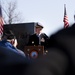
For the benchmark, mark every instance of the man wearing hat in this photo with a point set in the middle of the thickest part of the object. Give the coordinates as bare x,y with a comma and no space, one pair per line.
35,39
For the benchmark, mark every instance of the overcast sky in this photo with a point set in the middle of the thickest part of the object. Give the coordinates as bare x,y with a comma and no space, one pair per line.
49,13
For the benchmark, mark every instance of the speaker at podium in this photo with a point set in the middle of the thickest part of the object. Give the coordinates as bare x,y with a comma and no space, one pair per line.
34,51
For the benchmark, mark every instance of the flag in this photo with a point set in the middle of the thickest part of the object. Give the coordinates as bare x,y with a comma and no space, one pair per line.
65,20
1,23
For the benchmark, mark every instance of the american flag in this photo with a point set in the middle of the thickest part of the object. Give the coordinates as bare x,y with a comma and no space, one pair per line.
1,23
65,20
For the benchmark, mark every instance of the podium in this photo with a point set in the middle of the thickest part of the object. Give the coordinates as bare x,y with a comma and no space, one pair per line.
34,51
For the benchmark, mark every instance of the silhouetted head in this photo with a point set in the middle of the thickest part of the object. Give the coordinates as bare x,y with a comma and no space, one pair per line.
8,34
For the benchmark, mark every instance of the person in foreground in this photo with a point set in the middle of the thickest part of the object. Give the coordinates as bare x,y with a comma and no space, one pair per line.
60,59
9,41
12,61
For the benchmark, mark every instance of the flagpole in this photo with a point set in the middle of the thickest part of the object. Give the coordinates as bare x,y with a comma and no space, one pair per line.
64,9
74,16
0,2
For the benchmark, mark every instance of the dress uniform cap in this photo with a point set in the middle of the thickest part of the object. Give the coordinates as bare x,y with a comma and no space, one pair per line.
38,25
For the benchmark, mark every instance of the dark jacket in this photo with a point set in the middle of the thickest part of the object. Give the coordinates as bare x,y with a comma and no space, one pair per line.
33,40
46,38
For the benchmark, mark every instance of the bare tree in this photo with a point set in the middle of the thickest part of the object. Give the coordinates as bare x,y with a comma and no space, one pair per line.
12,15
